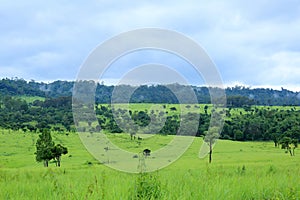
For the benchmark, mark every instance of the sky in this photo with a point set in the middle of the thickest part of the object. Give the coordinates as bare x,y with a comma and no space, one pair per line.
252,43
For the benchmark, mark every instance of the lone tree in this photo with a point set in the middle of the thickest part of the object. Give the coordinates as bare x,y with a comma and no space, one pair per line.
289,144
44,146
211,137
46,149
57,151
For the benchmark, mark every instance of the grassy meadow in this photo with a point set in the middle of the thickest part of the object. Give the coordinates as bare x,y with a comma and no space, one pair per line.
240,170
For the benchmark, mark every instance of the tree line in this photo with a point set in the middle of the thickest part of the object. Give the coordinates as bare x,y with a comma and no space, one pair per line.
278,124
243,124
250,123
238,96
55,114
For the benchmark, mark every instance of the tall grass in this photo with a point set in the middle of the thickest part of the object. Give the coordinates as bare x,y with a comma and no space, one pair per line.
240,170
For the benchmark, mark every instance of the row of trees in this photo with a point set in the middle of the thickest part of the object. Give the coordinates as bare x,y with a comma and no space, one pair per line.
262,124
142,118
255,124
278,124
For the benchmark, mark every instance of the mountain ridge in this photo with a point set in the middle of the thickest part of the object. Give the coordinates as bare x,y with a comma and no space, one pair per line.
151,93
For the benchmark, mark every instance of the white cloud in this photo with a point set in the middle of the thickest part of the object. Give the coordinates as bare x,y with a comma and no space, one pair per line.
281,68
243,38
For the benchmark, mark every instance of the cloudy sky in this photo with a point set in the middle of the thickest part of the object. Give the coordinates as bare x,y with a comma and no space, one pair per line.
255,43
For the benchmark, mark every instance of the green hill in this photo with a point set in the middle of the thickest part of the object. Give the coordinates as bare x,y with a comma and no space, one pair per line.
237,96
240,170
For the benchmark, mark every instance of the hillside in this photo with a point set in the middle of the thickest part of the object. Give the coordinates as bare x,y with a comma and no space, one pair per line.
237,96
240,170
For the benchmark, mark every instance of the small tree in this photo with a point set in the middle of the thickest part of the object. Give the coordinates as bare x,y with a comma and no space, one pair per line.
286,144
275,137
205,109
211,137
294,145
46,150
57,151
44,146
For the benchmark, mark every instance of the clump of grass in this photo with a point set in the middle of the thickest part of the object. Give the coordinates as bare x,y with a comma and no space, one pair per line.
92,188
271,170
241,170
89,163
147,186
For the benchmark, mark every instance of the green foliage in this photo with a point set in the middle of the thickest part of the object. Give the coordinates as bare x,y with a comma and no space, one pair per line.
16,114
57,151
141,118
289,144
46,149
237,96
239,102
16,86
238,135
255,123
262,123
211,137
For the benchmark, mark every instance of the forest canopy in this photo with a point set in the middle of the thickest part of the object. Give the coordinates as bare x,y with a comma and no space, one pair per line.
237,96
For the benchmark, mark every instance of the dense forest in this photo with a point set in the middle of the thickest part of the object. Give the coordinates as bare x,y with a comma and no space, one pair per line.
236,96
17,114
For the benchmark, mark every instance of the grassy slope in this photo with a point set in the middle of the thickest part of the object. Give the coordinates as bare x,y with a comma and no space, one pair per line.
30,99
240,170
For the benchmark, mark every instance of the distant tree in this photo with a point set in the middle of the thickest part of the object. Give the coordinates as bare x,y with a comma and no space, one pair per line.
294,145
275,137
286,144
239,101
44,146
205,109
57,151
173,108
141,118
211,137
42,125
238,135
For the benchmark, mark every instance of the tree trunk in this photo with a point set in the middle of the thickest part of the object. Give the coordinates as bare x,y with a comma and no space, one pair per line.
210,153
58,161
45,163
293,151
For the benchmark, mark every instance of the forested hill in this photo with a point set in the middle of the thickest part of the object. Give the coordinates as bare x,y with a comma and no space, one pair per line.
237,96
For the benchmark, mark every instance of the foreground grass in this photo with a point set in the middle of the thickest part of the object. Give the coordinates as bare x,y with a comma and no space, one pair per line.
240,170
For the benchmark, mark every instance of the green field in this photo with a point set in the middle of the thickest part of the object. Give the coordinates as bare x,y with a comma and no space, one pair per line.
240,170
30,99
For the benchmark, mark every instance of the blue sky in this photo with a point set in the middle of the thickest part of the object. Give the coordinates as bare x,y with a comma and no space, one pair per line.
254,43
